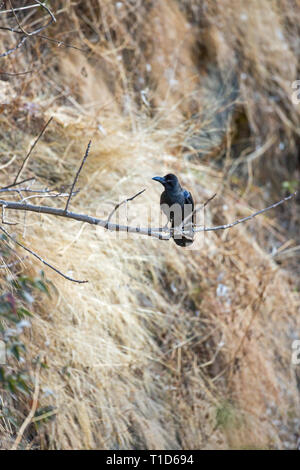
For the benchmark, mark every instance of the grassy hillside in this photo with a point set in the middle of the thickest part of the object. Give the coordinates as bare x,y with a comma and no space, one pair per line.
163,348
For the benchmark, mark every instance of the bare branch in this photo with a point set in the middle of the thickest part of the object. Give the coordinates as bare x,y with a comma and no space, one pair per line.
209,200
19,9
22,31
3,217
195,211
16,184
123,202
10,74
29,153
27,190
40,258
42,36
77,175
17,19
12,264
244,219
150,232
45,195
53,19
38,30
34,406
10,51
61,43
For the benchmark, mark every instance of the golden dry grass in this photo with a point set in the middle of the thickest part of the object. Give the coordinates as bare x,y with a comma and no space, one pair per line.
164,348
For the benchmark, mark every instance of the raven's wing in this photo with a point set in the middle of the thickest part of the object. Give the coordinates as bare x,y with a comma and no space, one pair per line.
187,209
188,200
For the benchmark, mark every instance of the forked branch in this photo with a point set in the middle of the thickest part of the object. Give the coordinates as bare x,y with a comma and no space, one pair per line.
158,233
25,34
40,258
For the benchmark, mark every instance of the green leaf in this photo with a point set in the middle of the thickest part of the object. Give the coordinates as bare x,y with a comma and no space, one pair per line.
2,374
42,286
23,312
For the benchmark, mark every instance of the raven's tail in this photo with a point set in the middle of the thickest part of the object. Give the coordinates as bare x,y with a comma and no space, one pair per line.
184,240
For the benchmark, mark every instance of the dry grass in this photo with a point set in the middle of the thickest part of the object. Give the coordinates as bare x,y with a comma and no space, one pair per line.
163,348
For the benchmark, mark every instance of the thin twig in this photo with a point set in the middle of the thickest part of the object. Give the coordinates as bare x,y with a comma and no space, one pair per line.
17,184
10,74
10,51
123,202
40,258
53,19
61,43
17,20
42,36
38,30
53,196
31,148
40,193
12,264
3,218
209,200
150,232
25,190
196,210
19,9
77,174
244,219
22,31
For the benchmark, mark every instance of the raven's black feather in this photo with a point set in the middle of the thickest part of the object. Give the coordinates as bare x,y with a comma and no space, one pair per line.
178,205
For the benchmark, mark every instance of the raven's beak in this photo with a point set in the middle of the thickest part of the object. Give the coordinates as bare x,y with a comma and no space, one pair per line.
160,179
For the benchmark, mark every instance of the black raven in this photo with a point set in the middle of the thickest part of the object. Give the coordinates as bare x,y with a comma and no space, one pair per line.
178,205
